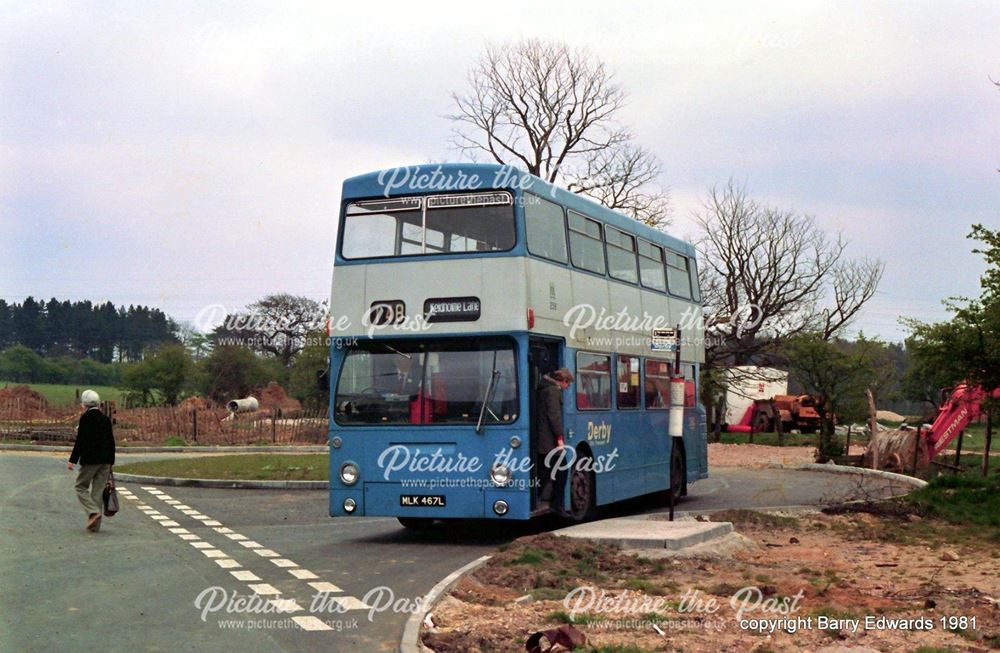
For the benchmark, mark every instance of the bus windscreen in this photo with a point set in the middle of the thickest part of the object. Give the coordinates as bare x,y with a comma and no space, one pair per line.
385,383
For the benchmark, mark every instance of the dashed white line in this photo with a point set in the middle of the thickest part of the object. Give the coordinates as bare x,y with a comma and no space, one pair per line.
302,574
227,563
214,553
169,522
236,537
283,562
325,587
263,588
266,553
250,544
243,574
201,544
178,531
311,623
285,605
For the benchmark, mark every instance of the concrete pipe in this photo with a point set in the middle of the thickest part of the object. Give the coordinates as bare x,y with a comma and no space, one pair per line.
245,405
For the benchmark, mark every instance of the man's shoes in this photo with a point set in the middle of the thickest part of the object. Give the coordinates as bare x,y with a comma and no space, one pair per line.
94,522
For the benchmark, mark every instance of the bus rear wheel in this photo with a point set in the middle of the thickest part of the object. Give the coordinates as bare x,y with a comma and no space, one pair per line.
582,493
416,523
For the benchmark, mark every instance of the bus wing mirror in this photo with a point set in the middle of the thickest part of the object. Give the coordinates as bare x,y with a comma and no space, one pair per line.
323,381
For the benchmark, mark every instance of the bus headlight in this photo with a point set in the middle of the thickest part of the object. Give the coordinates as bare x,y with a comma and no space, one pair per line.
500,475
349,474
349,505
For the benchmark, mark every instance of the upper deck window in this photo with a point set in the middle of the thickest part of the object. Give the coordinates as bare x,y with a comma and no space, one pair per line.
546,228
437,224
621,255
678,276
651,266
585,243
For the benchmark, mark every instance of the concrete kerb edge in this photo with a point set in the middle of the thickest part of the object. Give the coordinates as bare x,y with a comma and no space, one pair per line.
220,483
410,642
189,450
862,471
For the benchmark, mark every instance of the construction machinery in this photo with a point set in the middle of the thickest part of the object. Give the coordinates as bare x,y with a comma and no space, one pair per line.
914,447
784,412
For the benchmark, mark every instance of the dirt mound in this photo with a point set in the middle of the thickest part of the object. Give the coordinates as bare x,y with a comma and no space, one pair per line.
274,397
889,416
196,403
21,402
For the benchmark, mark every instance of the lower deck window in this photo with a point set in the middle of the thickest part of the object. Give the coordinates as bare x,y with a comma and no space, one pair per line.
593,381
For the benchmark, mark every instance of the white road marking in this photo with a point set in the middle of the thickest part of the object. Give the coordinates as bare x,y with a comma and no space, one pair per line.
302,574
311,623
285,605
147,487
350,603
220,557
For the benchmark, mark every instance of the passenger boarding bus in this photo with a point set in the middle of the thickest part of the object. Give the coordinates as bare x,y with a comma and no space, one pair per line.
456,289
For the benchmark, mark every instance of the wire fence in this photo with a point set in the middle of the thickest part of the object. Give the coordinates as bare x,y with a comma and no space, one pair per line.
26,421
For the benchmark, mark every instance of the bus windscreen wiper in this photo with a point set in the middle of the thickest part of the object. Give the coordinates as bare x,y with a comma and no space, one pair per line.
488,395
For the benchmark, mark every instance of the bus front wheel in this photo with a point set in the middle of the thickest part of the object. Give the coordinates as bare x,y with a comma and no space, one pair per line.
582,493
416,523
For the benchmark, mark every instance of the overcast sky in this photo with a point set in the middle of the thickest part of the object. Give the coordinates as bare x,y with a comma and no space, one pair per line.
183,154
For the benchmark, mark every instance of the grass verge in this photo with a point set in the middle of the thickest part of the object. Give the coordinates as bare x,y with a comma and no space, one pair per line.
253,467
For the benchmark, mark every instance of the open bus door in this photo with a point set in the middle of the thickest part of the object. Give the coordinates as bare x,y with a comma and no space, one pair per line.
543,358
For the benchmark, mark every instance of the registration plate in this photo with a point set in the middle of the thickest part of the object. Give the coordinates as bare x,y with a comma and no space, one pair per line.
421,500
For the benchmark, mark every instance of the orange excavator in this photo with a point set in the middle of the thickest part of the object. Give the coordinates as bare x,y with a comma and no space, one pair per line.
903,448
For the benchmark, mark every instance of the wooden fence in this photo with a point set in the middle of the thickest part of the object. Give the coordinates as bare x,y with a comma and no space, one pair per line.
22,422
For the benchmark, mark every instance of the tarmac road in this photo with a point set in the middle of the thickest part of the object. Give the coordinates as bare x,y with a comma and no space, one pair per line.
134,585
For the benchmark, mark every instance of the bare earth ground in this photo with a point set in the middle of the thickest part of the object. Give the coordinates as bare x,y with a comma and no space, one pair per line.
759,456
838,564
848,566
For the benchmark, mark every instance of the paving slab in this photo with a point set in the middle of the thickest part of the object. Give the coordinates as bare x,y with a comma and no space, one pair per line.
644,533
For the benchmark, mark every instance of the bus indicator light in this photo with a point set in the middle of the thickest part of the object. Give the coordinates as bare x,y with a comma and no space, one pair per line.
531,318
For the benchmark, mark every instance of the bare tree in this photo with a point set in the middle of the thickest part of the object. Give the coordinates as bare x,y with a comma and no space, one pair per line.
769,274
552,110
277,324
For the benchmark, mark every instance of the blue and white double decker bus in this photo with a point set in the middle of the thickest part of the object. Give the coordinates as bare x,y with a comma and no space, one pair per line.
456,289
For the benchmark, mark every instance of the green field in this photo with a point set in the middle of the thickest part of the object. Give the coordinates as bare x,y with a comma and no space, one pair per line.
65,394
256,467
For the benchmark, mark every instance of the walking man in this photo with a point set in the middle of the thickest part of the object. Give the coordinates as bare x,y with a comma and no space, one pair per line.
95,450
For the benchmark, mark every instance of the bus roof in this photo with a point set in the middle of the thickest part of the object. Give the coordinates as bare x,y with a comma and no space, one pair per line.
433,178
